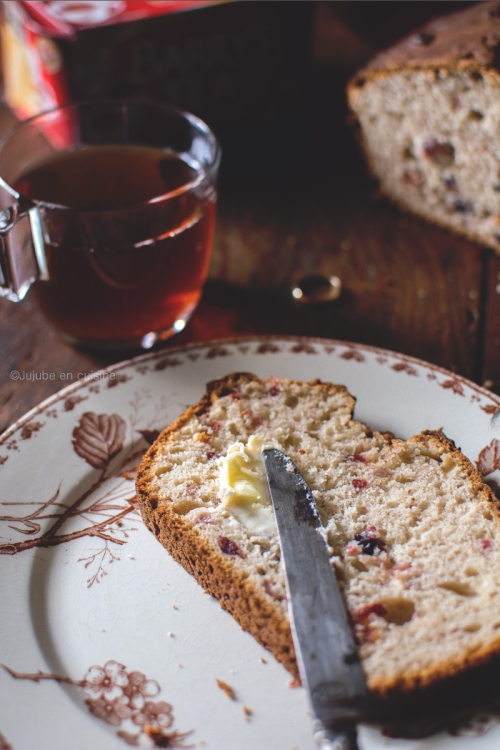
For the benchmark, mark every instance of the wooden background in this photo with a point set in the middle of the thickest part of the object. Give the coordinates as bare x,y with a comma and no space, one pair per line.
295,198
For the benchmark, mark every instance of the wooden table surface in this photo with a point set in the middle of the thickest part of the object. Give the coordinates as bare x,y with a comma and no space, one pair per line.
284,211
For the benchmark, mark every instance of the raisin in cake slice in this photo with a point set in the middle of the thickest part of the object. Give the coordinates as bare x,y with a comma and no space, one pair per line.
428,111
414,535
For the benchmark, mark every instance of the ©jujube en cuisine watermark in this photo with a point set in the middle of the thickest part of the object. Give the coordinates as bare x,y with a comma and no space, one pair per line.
67,377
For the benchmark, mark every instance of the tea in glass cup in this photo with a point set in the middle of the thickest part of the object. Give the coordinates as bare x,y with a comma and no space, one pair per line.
124,195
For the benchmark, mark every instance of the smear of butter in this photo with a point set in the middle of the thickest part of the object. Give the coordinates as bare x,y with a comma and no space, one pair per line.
243,486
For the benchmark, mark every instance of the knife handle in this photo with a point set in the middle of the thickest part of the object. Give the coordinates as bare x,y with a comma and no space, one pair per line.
335,739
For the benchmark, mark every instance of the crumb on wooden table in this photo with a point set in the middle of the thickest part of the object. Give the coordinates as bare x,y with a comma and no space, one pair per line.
227,689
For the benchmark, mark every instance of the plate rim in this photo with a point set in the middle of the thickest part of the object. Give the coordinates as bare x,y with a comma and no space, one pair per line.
406,358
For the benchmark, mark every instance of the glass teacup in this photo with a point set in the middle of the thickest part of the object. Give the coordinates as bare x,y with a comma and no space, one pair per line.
113,219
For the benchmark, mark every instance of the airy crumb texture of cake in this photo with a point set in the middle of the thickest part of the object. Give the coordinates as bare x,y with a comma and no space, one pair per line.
428,111
414,534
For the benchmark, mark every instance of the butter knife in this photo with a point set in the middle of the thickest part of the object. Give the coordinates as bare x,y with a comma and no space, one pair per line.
327,657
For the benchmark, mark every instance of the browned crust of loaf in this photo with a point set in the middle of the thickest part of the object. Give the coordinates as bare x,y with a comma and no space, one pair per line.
216,572
446,669
465,39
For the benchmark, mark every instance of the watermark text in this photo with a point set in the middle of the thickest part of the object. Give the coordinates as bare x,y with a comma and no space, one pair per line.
65,377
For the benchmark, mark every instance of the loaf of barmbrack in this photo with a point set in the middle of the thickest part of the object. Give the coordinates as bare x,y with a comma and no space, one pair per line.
427,112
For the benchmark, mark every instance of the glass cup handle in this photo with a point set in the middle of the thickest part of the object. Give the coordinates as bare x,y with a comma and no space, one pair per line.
22,251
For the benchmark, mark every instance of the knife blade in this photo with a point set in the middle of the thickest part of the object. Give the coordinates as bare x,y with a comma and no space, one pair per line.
327,657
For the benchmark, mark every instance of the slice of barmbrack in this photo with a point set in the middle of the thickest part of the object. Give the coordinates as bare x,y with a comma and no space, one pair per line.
414,534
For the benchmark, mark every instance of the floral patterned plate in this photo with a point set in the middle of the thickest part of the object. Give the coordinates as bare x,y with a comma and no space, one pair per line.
104,640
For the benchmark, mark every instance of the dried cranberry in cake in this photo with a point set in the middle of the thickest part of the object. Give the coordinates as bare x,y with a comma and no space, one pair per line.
229,547
462,207
357,457
257,422
364,613
413,177
214,425
275,388
441,154
359,484
370,541
352,549
450,183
